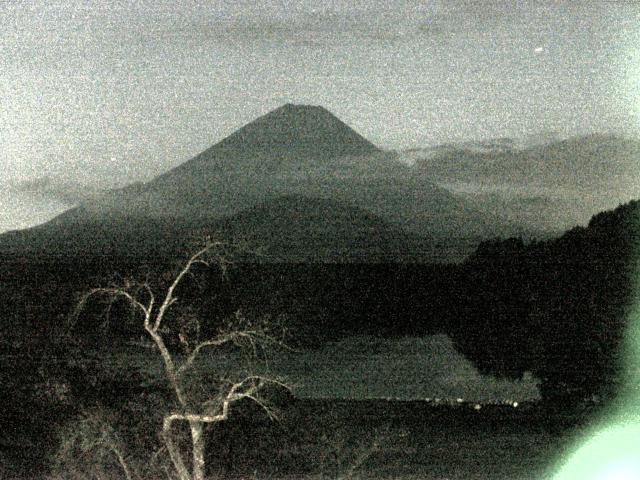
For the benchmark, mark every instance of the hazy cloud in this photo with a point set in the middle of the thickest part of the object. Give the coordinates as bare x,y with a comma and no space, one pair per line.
129,89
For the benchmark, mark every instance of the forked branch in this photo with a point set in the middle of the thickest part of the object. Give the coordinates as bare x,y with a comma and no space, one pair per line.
239,332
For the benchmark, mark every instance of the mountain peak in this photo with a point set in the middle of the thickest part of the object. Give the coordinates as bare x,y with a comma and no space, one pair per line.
292,107
298,129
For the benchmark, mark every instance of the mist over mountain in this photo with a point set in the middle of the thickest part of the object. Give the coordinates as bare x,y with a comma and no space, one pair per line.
551,187
301,152
22,210
66,192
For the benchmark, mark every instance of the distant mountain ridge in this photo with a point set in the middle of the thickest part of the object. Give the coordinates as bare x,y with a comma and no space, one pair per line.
585,163
301,152
554,186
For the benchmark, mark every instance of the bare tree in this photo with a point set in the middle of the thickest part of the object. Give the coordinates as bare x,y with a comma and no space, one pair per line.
196,410
92,435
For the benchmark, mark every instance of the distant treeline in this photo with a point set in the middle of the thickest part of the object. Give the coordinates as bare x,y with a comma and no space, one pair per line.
555,308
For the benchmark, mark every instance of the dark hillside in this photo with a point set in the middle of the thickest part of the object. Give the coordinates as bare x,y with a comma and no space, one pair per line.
311,230
291,228
556,308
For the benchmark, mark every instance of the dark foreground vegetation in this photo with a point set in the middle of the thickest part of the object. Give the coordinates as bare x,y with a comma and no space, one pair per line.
327,439
556,309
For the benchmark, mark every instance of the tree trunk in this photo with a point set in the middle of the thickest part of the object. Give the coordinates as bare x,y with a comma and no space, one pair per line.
123,463
197,439
174,452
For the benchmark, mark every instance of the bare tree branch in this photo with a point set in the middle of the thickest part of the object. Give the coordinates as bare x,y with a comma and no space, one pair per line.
112,293
169,297
244,334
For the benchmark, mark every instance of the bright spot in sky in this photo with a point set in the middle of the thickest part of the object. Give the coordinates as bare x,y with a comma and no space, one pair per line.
539,50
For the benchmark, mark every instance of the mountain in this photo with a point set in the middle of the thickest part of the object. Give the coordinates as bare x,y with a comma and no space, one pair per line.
304,150
549,187
291,150
288,229
292,138
295,151
312,230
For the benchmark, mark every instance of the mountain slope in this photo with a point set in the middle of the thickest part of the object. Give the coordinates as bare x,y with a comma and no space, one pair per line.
293,151
549,187
311,230
287,229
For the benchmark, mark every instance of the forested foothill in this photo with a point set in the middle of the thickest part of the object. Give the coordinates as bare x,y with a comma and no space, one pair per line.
554,308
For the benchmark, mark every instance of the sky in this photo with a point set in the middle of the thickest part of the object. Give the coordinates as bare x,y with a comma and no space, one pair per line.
115,91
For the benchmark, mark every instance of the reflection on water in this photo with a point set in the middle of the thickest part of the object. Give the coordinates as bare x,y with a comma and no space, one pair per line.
363,367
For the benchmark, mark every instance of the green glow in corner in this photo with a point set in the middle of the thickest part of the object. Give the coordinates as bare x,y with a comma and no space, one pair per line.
610,454
611,450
